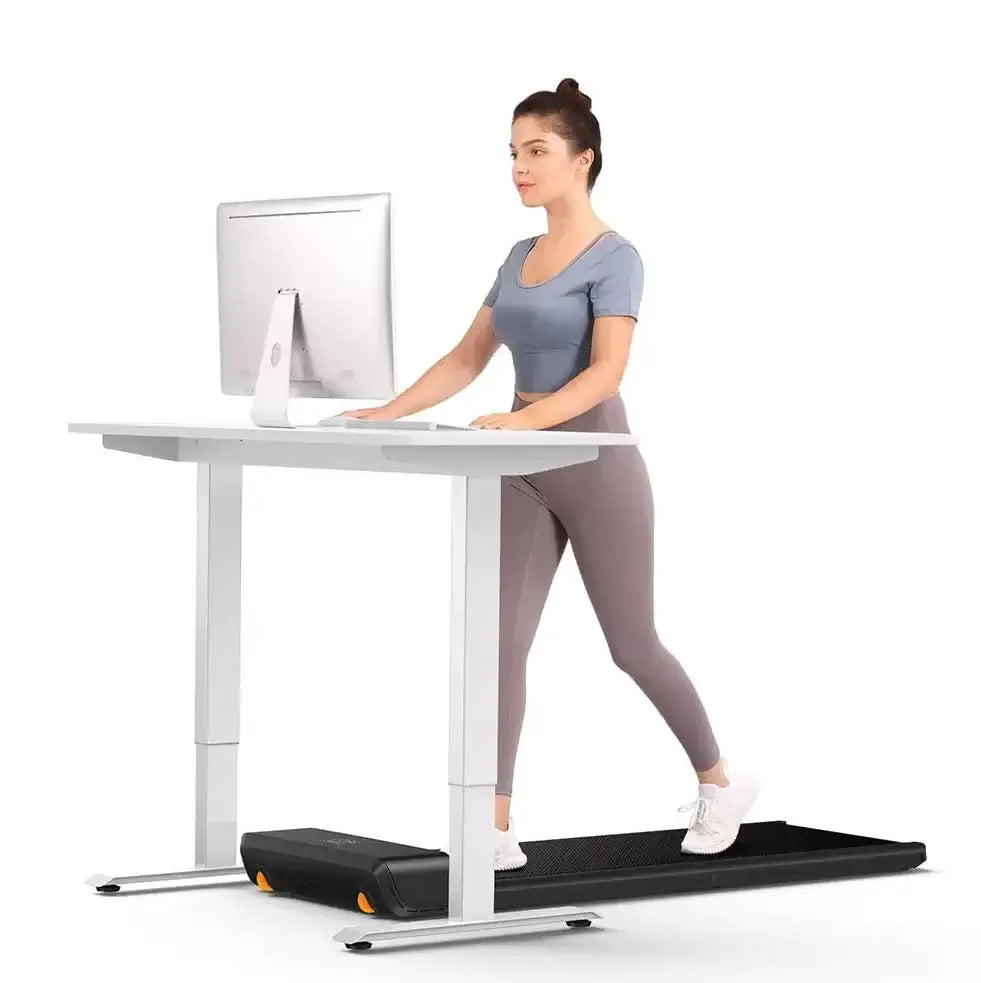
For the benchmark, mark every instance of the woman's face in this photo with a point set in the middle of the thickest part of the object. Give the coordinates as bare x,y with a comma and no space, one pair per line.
541,161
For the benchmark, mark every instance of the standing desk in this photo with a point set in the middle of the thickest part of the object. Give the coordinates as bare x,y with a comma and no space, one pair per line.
476,460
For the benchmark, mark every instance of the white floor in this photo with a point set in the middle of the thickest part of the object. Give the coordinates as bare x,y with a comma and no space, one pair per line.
909,926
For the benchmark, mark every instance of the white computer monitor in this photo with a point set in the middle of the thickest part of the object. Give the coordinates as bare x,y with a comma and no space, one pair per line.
305,299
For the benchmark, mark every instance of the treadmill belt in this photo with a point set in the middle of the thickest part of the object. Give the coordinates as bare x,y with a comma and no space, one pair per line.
397,880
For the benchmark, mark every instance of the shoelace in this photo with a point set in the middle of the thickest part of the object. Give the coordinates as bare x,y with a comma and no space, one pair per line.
702,814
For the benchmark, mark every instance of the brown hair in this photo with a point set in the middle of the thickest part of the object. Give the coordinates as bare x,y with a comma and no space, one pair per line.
570,115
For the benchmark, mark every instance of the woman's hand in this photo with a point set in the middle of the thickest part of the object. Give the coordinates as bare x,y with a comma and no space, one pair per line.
373,413
518,420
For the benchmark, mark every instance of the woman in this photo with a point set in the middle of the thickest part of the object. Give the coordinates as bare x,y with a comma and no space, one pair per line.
565,304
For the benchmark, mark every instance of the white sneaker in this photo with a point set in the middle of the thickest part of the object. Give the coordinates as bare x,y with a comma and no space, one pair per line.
718,812
507,851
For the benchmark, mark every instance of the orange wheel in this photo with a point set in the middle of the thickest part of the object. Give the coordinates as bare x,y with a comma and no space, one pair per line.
364,904
262,883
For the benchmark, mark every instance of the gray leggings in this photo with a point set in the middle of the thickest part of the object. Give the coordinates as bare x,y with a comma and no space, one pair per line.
604,508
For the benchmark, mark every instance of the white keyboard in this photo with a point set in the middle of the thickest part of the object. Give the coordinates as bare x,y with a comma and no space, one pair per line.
353,423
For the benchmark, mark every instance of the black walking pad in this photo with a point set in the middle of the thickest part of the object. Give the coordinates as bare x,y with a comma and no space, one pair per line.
393,879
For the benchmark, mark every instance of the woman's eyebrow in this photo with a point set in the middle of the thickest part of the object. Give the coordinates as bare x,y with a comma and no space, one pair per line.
527,142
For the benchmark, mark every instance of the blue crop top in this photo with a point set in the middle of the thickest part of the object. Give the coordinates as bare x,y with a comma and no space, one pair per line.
548,326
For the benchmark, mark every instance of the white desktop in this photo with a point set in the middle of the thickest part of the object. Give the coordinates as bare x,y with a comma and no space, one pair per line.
305,309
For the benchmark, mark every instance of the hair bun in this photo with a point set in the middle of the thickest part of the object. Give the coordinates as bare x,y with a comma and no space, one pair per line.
570,88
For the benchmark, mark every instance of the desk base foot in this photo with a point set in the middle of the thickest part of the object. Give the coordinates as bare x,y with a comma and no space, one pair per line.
362,937
110,885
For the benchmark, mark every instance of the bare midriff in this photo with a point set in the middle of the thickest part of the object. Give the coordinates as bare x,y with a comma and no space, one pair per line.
531,397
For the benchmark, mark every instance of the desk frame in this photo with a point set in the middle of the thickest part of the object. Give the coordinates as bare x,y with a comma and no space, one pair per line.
476,465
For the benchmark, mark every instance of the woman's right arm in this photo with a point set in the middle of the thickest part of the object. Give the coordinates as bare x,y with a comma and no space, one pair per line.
453,372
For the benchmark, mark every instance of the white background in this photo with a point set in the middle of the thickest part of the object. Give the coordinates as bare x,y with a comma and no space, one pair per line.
801,180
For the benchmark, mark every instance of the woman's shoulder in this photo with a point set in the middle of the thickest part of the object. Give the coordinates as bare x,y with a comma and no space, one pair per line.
619,241
517,248
522,244
621,254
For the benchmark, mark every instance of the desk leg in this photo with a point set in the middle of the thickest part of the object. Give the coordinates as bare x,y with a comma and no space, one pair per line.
474,615
474,605
216,683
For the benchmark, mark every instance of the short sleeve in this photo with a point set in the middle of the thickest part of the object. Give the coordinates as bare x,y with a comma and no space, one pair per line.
491,299
620,284
492,295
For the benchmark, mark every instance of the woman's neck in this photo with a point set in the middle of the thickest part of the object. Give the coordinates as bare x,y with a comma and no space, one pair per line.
569,222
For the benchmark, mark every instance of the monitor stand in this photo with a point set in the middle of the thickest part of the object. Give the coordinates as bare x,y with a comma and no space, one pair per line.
270,401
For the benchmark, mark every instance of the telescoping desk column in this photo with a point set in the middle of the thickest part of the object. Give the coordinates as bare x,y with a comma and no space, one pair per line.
476,460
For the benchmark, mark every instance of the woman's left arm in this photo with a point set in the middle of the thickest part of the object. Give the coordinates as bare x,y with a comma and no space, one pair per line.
612,335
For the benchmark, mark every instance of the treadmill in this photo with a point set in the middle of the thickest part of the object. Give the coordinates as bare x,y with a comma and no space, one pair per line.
396,880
